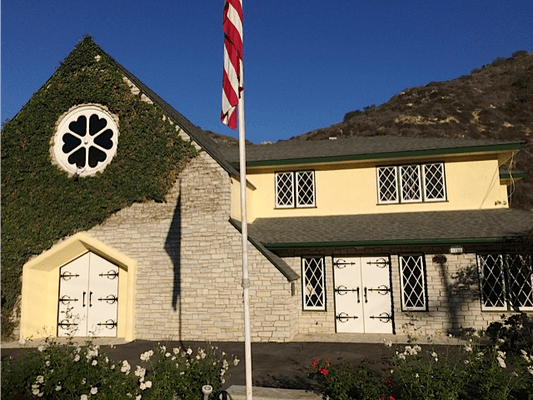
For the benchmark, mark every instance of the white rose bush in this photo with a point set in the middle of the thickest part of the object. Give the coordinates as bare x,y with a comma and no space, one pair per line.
66,371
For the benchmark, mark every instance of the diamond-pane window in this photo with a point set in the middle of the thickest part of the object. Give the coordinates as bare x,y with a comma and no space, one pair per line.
413,283
305,188
313,284
434,187
506,282
387,185
284,189
410,183
298,185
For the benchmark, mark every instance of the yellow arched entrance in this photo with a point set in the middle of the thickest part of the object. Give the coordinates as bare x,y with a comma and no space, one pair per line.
40,287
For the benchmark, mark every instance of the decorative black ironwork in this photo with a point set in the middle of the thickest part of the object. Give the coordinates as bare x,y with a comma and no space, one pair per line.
381,263
382,289
342,290
109,324
66,324
65,299
111,274
384,317
342,264
343,317
109,299
68,275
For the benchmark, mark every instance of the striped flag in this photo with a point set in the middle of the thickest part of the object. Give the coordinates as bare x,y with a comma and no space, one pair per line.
231,81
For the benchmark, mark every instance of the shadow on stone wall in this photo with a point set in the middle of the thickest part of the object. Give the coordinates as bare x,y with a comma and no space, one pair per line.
173,249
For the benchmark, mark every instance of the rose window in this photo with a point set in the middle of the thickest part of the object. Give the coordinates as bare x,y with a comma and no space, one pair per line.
85,140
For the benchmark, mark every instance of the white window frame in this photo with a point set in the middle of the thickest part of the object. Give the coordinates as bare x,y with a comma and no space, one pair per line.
294,188
442,182
505,279
400,184
308,289
422,282
405,184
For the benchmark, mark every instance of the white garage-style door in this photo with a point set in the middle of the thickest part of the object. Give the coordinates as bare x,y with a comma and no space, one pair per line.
88,297
363,294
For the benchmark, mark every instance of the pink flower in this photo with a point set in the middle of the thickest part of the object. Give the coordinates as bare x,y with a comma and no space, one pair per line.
323,371
314,363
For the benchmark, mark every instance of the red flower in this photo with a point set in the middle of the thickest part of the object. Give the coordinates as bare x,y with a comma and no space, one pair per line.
323,371
314,363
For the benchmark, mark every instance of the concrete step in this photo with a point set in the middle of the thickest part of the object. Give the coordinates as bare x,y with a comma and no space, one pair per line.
261,393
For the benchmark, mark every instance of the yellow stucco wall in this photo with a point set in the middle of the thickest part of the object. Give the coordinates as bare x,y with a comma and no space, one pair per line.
40,287
351,188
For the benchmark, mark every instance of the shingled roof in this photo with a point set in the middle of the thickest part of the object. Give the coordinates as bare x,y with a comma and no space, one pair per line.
416,228
361,148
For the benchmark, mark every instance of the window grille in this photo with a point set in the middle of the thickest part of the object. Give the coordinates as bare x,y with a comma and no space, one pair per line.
313,284
298,185
411,183
434,186
413,283
387,184
305,188
284,189
506,282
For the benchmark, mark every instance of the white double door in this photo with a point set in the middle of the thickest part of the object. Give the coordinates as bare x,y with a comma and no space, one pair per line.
88,297
362,294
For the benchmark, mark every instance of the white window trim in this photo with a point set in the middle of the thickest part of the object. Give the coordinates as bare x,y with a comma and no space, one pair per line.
417,200
294,188
424,307
443,183
504,277
297,187
379,183
422,184
322,282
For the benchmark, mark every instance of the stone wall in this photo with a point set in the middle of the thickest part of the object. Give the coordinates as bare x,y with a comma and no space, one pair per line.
453,296
189,269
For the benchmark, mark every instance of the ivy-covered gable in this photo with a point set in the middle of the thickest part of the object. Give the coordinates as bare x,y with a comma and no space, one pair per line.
41,202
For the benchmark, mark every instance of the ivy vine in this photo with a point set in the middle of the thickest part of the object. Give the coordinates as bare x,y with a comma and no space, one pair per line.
40,203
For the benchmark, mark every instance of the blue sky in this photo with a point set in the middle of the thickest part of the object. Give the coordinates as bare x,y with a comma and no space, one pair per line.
306,62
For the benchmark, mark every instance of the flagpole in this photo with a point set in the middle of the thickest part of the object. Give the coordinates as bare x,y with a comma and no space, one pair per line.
244,222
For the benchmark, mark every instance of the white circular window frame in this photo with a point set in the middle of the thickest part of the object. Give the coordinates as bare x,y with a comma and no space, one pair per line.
60,159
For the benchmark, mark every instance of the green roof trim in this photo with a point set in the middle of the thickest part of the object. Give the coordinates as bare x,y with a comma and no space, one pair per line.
513,175
374,243
386,155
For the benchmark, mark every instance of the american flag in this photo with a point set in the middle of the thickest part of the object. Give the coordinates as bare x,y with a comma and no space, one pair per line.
231,81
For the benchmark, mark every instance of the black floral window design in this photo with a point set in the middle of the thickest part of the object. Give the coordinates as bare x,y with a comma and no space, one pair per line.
86,140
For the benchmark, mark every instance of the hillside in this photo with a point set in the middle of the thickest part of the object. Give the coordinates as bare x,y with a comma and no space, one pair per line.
494,101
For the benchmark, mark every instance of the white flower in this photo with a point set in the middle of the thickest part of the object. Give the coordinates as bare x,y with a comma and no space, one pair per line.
189,351
83,381
84,397
94,362
416,375
501,354
126,367
236,361
401,356
58,388
140,372
167,354
77,358
138,397
39,379
35,392
467,362
176,350
47,363
35,386
501,362
146,355
435,356
94,390
41,348
468,348
146,385
530,370
163,349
